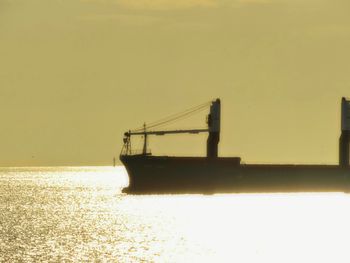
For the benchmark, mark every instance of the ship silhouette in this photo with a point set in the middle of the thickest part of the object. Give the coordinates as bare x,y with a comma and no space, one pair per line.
149,174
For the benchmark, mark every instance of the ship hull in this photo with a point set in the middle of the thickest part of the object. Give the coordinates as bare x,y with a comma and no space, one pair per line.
175,175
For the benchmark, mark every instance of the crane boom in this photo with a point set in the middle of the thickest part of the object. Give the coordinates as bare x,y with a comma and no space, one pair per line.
193,131
213,128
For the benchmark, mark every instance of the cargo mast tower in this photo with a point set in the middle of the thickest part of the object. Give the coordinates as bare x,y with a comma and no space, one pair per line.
345,133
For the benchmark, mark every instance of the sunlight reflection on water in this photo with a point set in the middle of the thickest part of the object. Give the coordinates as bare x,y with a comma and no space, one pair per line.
79,214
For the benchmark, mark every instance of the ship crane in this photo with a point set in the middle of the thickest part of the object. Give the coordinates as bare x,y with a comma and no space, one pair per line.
213,122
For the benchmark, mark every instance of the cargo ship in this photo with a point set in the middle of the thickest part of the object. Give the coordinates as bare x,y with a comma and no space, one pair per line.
149,174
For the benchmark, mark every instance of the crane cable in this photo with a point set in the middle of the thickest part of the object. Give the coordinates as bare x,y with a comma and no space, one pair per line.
176,117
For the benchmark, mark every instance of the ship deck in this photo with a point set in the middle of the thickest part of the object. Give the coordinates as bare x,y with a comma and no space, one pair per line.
166,174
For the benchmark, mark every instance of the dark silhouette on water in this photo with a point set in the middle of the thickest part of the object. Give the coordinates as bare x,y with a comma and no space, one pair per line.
212,174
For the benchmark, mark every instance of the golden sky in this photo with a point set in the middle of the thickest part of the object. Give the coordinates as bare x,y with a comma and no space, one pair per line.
74,75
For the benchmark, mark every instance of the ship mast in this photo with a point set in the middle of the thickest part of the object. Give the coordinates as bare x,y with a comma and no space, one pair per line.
144,151
344,139
214,129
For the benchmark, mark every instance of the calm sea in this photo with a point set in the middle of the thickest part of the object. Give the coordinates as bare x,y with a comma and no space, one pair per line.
80,215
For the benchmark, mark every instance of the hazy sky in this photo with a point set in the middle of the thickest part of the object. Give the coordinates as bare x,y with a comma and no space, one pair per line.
74,75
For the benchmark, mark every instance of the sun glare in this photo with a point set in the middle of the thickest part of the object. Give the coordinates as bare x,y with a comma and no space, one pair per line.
304,227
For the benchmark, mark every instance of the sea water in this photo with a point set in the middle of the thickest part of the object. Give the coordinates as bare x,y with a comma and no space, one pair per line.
79,214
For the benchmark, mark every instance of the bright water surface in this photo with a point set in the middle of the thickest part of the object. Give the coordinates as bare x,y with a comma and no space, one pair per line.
80,215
